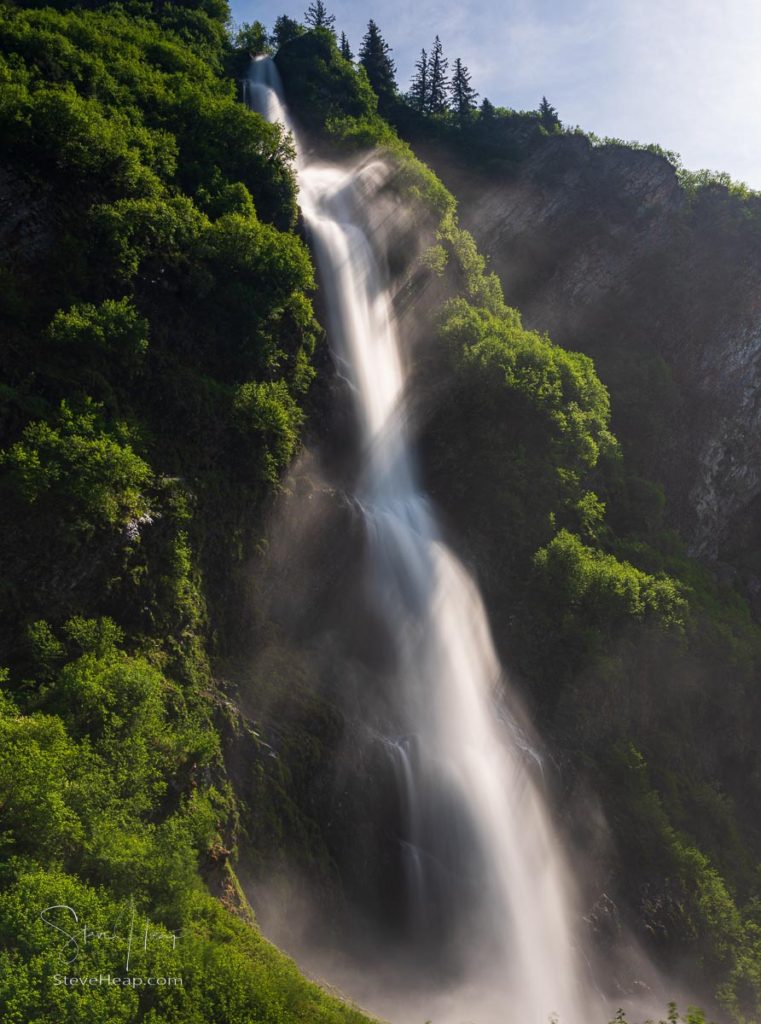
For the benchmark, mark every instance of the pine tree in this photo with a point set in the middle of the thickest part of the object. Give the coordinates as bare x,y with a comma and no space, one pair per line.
487,111
284,31
419,86
345,49
548,116
375,58
316,16
437,79
462,93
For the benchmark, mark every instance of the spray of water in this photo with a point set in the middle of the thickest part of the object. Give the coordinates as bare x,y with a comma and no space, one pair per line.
479,847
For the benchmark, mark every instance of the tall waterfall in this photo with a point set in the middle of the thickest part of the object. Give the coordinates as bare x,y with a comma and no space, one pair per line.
479,842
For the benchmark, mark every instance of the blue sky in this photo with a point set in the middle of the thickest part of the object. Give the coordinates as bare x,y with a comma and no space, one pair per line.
683,73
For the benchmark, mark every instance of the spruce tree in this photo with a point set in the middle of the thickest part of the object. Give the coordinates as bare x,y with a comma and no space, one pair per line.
548,116
316,16
437,79
462,93
487,111
419,87
285,29
375,58
345,49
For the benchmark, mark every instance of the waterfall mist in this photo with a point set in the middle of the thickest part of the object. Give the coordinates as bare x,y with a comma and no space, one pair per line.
489,918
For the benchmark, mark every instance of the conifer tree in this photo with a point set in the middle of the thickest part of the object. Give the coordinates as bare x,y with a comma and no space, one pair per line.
285,29
345,49
548,116
316,16
487,111
461,92
419,87
437,79
375,58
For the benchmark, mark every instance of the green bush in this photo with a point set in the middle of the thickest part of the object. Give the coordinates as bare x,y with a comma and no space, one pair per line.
108,337
582,587
77,472
266,412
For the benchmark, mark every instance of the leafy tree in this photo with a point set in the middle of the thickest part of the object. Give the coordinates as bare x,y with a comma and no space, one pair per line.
375,58
268,412
419,88
589,586
111,335
437,79
344,48
285,30
316,16
34,753
548,116
463,95
74,467
251,37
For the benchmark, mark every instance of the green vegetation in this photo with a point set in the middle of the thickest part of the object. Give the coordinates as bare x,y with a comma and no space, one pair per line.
316,16
157,340
639,665
693,1015
538,417
375,58
338,108
441,109
691,181
620,638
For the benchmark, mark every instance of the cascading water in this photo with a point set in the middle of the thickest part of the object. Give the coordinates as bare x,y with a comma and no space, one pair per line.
479,843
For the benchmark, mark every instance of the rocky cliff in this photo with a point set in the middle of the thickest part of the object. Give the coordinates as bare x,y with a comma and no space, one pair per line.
606,250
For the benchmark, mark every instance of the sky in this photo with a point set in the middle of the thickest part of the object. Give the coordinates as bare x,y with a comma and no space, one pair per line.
683,73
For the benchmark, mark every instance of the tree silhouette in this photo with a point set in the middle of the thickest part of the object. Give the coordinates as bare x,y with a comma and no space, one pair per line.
462,93
375,58
285,29
316,16
548,116
420,83
437,79
487,110
345,49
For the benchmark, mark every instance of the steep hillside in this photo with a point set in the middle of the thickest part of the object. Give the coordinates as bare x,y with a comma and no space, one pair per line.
157,334
654,274
657,275
187,645
623,642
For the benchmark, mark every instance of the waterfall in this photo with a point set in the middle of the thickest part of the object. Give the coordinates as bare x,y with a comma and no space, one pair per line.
479,845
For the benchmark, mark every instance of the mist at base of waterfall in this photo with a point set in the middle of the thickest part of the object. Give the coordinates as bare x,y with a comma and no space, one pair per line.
401,984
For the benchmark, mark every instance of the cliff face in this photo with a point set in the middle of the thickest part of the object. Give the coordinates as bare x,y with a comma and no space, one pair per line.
603,249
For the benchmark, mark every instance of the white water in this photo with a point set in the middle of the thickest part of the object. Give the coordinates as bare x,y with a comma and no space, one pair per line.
479,845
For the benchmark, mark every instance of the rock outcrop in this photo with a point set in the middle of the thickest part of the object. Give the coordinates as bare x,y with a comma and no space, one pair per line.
605,250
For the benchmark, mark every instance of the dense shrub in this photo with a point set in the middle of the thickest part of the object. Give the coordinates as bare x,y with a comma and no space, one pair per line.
157,347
